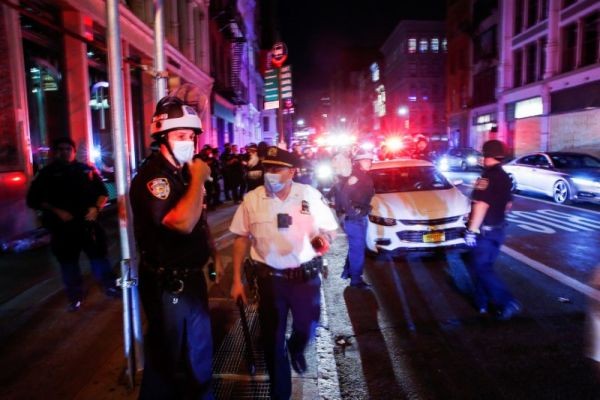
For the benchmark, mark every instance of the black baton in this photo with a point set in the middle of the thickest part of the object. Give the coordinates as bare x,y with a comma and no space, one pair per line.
247,337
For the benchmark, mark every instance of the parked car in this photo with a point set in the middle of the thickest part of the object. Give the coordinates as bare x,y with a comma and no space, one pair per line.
563,176
460,158
414,208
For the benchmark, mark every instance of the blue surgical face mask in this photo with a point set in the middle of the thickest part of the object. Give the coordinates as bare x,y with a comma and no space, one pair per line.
183,150
273,182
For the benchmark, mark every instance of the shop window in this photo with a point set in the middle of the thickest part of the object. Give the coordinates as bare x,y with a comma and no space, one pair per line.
423,46
569,47
518,68
412,45
591,26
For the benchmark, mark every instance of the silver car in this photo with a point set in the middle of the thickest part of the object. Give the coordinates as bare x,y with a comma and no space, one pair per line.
561,175
460,158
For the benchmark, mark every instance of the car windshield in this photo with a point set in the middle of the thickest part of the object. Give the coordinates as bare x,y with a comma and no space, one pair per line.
408,179
574,161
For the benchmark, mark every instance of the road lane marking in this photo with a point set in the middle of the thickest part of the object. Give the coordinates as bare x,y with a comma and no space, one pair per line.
554,274
556,204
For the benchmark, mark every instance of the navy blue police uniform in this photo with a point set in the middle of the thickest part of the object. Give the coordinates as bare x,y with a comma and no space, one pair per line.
354,199
173,290
73,187
494,189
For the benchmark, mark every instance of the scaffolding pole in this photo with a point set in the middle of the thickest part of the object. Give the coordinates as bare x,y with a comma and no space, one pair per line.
159,50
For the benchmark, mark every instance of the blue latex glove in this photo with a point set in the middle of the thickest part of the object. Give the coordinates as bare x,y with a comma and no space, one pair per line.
470,238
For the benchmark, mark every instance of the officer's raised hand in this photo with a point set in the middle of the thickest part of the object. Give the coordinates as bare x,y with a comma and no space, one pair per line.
199,171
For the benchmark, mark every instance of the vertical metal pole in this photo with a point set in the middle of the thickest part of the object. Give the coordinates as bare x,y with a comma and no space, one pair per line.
159,50
281,135
117,112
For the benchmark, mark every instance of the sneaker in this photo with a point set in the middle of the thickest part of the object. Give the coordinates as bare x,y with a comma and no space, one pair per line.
74,306
513,308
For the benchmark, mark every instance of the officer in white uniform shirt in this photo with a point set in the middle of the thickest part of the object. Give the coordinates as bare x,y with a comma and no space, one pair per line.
287,226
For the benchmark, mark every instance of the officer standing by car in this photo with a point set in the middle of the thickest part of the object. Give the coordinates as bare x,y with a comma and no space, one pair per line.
355,203
287,226
485,233
70,196
167,199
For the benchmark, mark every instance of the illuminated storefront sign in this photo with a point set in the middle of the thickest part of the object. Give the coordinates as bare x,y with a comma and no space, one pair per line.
529,108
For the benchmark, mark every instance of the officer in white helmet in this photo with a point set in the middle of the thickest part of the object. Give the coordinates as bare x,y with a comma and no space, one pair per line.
167,199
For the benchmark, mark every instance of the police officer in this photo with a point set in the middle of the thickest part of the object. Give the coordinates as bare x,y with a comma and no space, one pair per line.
70,195
254,168
287,227
167,199
354,202
485,234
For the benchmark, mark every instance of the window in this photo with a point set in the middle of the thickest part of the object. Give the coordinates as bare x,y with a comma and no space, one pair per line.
541,58
567,3
266,124
532,12
435,45
569,47
412,45
530,70
423,45
444,45
412,69
519,4
591,25
518,68
543,10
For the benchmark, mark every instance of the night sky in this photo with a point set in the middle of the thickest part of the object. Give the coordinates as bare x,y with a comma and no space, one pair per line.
317,31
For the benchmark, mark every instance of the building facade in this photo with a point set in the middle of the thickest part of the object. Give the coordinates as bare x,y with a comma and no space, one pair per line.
414,78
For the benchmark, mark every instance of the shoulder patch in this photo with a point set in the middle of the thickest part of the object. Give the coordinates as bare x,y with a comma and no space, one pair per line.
159,188
481,184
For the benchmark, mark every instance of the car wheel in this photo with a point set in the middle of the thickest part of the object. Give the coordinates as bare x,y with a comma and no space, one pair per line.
463,166
561,192
513,184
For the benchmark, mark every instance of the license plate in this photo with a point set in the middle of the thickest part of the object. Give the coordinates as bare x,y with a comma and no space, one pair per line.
434,237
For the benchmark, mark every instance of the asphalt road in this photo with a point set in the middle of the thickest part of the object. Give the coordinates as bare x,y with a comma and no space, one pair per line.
417,335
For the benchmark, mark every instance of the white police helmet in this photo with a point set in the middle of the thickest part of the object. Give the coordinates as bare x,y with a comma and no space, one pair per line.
172,113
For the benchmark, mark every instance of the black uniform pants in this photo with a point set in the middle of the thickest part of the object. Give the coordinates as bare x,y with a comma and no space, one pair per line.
279,296
178,344
67,241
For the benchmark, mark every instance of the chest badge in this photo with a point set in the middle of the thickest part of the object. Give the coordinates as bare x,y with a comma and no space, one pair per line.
159,188
305,207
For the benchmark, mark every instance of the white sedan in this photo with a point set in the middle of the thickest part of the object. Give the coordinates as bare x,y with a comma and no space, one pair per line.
414,208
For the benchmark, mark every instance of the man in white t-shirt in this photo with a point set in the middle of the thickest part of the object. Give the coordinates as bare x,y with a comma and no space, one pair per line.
287,226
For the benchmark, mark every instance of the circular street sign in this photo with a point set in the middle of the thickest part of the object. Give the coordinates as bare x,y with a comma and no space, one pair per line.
278,54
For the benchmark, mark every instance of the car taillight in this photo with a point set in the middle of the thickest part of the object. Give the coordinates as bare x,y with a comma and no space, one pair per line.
382,221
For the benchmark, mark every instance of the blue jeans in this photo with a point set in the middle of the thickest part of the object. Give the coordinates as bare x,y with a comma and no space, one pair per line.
278,296
489,288
356,230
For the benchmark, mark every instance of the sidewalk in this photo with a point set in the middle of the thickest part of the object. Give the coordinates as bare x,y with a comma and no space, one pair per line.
102,378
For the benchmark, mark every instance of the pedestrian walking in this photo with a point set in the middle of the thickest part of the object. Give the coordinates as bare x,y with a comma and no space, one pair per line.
175,243
71,196
354,202
485,233
287,227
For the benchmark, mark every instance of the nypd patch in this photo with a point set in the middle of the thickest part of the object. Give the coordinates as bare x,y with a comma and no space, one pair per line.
159,188
481,184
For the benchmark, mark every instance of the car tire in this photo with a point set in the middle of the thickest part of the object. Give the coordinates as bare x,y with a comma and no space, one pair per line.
561,193
513,184
463,166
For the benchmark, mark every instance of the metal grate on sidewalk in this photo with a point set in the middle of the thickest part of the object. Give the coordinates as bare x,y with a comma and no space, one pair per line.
231,377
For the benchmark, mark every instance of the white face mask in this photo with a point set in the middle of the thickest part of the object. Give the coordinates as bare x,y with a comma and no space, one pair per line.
183,150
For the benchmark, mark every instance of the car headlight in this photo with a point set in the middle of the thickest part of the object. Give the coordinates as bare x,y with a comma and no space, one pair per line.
471,160
382,221
324,172
586,182
443,164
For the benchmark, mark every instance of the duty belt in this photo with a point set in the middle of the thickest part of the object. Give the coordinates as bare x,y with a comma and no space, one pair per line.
303,272
172,280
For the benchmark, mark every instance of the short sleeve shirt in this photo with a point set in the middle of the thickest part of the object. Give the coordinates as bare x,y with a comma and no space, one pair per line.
283,248
155,190
493,188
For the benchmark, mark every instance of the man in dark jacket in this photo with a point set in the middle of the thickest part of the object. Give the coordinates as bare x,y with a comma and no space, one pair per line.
70,196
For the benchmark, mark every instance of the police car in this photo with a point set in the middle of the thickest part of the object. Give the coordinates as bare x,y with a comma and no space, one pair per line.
414,208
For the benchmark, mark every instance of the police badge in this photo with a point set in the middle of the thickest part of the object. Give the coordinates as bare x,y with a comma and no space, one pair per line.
159,188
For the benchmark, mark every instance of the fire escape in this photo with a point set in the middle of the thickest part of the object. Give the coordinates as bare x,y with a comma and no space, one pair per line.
231,27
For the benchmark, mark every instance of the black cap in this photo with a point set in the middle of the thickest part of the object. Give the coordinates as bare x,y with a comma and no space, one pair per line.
277,156
493,149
